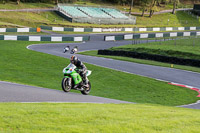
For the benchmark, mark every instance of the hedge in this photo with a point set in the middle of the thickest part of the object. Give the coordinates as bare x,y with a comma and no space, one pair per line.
160,58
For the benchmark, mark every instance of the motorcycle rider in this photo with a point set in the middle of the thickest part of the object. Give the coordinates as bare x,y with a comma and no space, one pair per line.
74,50
82,68
67,48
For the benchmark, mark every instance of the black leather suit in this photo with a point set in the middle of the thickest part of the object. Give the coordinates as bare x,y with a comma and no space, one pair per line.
82,68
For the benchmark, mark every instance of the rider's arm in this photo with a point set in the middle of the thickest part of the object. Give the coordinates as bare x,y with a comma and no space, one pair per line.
82,66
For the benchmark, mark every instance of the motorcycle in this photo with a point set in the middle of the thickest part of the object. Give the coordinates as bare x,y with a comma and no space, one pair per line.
73,80
74,50
66,49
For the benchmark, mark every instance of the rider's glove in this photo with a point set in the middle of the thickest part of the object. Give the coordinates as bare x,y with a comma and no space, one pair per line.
80,70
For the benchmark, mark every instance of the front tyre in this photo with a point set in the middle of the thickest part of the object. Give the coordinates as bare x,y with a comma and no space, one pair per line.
66,84
86,91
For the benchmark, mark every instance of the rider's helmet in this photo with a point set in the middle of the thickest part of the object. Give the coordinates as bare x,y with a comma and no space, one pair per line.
73,59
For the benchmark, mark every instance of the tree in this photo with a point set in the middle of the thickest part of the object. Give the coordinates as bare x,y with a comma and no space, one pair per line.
153,7
144,6
175,4
131,6
56,2
18,1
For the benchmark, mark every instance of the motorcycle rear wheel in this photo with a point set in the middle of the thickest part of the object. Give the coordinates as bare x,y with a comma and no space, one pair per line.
87,90
65,84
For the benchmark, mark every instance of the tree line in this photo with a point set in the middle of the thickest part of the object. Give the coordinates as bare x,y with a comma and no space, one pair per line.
147,5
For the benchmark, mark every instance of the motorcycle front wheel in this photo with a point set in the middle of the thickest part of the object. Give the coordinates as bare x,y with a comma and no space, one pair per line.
86,91
66,84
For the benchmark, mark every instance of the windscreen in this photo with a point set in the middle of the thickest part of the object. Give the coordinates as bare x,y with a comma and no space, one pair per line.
72,66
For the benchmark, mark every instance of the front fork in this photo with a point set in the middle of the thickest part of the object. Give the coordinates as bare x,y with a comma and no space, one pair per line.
69,81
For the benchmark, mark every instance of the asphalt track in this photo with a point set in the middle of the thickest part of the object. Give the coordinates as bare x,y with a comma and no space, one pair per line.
160,73
11,92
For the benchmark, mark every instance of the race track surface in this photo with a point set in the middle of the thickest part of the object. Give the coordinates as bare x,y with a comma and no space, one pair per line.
11,92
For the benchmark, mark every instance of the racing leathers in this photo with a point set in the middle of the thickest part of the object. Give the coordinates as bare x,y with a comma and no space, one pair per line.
82,70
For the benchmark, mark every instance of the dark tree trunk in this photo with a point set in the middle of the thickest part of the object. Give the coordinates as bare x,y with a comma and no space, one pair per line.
151,13
174,8
18,1
143,13
56,2
131,6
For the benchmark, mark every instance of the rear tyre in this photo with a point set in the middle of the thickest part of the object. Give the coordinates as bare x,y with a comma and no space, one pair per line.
66,84
86,91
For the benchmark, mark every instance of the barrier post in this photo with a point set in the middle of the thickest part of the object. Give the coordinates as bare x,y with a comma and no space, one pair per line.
38,29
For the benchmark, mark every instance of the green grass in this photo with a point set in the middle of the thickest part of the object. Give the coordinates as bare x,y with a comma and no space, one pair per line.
18,64
179,19
13,5
30,19
10,25
92,118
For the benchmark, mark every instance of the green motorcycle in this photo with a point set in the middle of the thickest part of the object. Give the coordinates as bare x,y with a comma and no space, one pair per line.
73,80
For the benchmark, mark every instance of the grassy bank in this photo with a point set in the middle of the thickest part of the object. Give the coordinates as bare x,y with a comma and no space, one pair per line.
182,48
181,18
74,117
13,5
18,64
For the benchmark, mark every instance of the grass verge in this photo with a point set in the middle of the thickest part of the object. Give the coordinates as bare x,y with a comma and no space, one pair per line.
76,117
182,48
18,64
13,5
